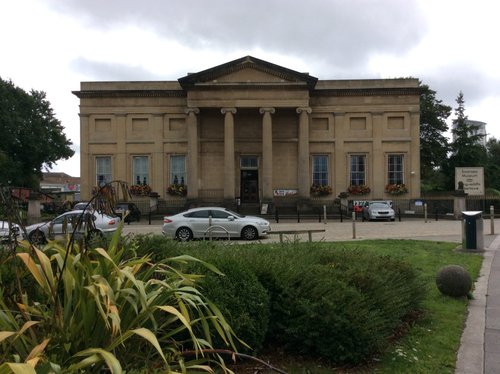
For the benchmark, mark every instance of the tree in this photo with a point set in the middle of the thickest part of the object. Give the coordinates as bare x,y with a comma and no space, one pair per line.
466,146
492,170
433,141
31,137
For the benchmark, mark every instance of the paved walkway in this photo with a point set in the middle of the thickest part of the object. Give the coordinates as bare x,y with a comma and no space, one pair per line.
479,351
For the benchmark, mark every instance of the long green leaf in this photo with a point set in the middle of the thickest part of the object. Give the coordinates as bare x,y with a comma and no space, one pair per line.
111,361
35,271
6,334
14,368
46,267
150,337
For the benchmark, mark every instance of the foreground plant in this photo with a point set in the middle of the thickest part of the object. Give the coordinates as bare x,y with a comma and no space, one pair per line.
97,308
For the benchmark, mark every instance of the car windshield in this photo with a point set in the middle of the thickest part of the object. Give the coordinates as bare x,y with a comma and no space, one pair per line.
380,206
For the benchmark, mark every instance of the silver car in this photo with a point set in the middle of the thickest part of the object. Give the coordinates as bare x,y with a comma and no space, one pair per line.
374,210
214,222
9,231
66,222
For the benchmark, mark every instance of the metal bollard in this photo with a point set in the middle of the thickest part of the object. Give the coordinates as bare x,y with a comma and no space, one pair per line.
324,213
354,225
425,212
492,220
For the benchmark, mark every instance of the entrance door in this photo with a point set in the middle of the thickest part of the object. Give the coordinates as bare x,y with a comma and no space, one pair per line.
249,186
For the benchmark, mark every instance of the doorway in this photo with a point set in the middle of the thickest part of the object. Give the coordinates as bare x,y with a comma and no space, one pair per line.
249,186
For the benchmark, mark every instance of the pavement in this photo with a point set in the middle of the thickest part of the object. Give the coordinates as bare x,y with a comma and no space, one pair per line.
479,351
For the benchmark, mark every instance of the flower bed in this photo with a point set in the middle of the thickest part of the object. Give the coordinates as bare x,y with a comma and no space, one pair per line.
361,189
321,190
140,190
396,189
177,190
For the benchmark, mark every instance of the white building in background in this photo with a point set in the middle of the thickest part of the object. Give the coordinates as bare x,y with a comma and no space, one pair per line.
477,128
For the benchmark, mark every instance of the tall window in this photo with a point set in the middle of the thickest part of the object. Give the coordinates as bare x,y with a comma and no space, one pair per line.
103,170
320,170
140,170
358,170
395,169
178,169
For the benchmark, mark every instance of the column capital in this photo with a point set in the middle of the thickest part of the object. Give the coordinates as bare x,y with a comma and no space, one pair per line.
228,110
267,110
299,110
191,110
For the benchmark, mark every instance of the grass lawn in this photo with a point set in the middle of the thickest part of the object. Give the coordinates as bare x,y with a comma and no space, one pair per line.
431,343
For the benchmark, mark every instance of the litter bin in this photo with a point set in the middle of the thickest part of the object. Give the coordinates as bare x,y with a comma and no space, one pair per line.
472,233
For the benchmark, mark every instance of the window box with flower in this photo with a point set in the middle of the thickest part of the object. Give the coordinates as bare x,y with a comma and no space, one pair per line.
140,190
321,190
361,189
176,188
396,189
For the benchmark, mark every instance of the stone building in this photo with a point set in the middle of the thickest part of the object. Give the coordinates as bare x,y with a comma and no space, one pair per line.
254,132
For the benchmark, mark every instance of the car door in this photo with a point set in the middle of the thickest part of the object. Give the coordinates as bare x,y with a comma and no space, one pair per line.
198,222
227,221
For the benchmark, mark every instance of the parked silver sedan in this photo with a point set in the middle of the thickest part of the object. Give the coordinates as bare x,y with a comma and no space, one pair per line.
378,210
89,223
9,231
215,222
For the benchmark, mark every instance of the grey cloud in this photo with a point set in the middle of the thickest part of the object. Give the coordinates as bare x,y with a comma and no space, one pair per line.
112,72
449,81
340,33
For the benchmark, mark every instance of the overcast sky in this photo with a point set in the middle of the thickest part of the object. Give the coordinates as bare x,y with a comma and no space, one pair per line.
53,45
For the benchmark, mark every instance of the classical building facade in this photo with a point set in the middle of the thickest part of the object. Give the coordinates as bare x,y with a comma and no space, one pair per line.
252,131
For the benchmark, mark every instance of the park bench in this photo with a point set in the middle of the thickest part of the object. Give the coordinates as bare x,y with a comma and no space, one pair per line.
309,232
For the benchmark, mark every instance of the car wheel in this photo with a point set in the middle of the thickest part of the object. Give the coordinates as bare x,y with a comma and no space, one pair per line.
249,233
184,234
37,237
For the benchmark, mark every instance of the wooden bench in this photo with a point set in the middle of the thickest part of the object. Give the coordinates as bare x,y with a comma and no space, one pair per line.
295,232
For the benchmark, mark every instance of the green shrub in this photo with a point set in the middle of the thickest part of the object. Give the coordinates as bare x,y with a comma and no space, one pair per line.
326,317
240,297
324,301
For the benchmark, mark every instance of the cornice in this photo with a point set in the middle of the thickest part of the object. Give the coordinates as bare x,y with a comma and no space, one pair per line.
128,93
410,91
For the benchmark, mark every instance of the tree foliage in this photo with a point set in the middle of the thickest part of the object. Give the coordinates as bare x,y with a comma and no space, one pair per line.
492,170
467,149
433,141
32,137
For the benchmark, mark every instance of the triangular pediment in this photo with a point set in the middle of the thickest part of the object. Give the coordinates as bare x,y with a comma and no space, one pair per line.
249,71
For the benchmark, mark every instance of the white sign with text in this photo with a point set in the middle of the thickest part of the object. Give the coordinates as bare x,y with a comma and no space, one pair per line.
470,180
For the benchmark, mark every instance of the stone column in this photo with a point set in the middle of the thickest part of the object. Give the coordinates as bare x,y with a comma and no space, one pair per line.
377,180
414,185
340,176
192,156
229,166
267,154
303,173
121,169
85,160
158,157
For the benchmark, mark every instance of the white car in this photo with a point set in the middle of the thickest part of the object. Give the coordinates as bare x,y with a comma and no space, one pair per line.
378,210
9,231
196,222
66,222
